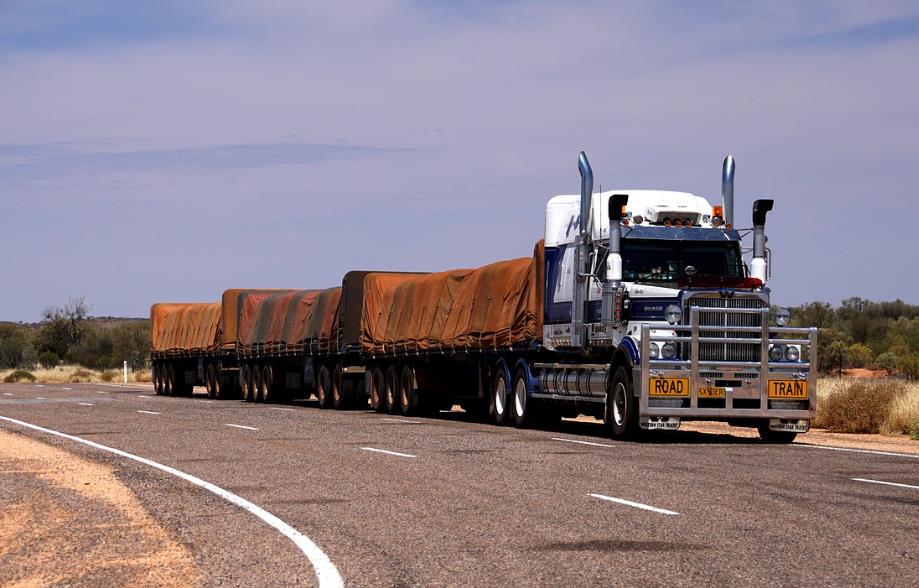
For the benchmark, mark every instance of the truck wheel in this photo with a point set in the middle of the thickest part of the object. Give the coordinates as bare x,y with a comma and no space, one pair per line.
621,413
323,388
377,389
209,381
777,437
520,404
408,391
246,376
392,390
338,398
265,393
169,381
499,396
157,377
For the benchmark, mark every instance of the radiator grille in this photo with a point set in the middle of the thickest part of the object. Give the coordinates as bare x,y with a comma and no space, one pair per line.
727,351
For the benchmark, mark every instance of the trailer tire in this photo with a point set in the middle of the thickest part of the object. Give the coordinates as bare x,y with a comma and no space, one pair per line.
339,402
157,377
391,395
265,393
621,414
377,389
498,408
169,381
521,404
408,391
246,382
775,437
323,385
209,381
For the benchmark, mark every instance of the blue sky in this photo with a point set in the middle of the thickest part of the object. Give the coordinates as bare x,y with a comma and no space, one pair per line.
169,150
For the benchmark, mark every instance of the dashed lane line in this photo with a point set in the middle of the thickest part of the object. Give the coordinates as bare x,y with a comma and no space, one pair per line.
147,412
326,572
242,427
280,408
634,504
897,484
396,453
142,396
406,421
85,404
40,398
67,389
8,394
591,443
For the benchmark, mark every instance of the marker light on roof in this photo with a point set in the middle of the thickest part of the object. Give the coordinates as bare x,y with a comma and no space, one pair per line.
717,221
638,219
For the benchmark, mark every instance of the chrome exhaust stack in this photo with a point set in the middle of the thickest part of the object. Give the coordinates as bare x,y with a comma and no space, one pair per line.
582,244
613,280
758,265
727,190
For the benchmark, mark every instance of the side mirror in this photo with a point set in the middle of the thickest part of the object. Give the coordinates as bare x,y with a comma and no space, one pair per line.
617,204
760,208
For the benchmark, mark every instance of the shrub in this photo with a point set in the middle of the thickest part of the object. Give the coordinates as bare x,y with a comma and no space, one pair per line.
48,359
904,412
858,406
19,376
81,375
143,376
110,375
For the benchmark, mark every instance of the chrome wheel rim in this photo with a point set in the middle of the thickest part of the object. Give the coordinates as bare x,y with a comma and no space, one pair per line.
500,396
619,405
520,397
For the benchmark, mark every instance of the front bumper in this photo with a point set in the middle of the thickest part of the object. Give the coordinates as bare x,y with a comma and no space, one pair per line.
744,385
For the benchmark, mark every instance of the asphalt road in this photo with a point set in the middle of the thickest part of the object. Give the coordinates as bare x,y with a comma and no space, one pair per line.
460,503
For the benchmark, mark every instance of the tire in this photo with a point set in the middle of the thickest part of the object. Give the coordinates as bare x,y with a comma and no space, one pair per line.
210,383
776,437
157,378
521,403
221,387
323,388
621,414
391,395
256,390
338,398
265,392
246,377
377,390
498,408
408,391
169,379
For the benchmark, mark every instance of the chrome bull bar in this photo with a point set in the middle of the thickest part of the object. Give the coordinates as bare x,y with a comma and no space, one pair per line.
739,401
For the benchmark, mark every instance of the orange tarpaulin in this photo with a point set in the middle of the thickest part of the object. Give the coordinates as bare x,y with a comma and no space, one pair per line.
184,327
495,306
295,320
229,318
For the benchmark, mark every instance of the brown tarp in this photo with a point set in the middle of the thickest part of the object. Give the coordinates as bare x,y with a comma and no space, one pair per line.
289,321
181,328
495,306
229,317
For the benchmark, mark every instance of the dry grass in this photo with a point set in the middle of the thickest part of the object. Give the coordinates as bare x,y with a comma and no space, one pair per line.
66,374
867,405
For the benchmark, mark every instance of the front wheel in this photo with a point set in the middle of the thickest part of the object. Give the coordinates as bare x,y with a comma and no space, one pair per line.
621,414
777,437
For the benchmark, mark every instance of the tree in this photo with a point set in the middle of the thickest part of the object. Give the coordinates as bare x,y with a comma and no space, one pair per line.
131,343
15,348
63,327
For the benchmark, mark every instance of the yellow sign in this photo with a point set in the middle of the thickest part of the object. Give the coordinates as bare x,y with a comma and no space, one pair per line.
676,387
711,392
794,389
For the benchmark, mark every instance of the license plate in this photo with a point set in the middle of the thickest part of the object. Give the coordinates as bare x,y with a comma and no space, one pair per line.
711,392
678,387
794,389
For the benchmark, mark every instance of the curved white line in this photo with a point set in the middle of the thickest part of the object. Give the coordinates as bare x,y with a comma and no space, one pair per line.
326,572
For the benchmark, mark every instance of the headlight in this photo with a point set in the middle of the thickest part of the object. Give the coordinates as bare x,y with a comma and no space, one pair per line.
673,314
776,352
792,353
655,350
781,317
668,351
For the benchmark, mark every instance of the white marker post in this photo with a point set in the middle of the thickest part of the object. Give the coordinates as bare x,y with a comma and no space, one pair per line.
125,372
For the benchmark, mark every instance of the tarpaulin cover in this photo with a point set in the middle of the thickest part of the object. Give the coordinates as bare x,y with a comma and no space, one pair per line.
495,306
289,321
181,328
229,318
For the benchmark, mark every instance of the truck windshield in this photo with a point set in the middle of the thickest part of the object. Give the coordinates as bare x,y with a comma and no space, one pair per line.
653,260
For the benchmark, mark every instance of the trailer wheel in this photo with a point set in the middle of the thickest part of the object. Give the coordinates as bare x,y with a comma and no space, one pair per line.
338,397
265,393
157,377
209,383
621,414
222,386
392,389
408,391
245,376
323,388
498,409
377,390
777,437
256,391
169,381
520,405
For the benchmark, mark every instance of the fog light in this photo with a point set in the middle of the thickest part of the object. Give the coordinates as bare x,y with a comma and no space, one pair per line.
792,353
668,351
655,350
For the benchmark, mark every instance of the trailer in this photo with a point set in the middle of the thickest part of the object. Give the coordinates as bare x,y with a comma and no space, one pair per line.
636,307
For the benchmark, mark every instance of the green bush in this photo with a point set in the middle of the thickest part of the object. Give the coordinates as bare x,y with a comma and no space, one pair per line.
19,376
914,431
81,375
48,359
859,406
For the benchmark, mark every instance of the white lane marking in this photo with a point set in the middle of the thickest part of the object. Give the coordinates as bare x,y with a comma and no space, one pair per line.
402,421
101,392
635,504
8,394
147,412
66,388
136,387
591,443
142,396
39,385
202,400
871,451
898,485
396,453
326,572
40,398
279,408
85,404
242,427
